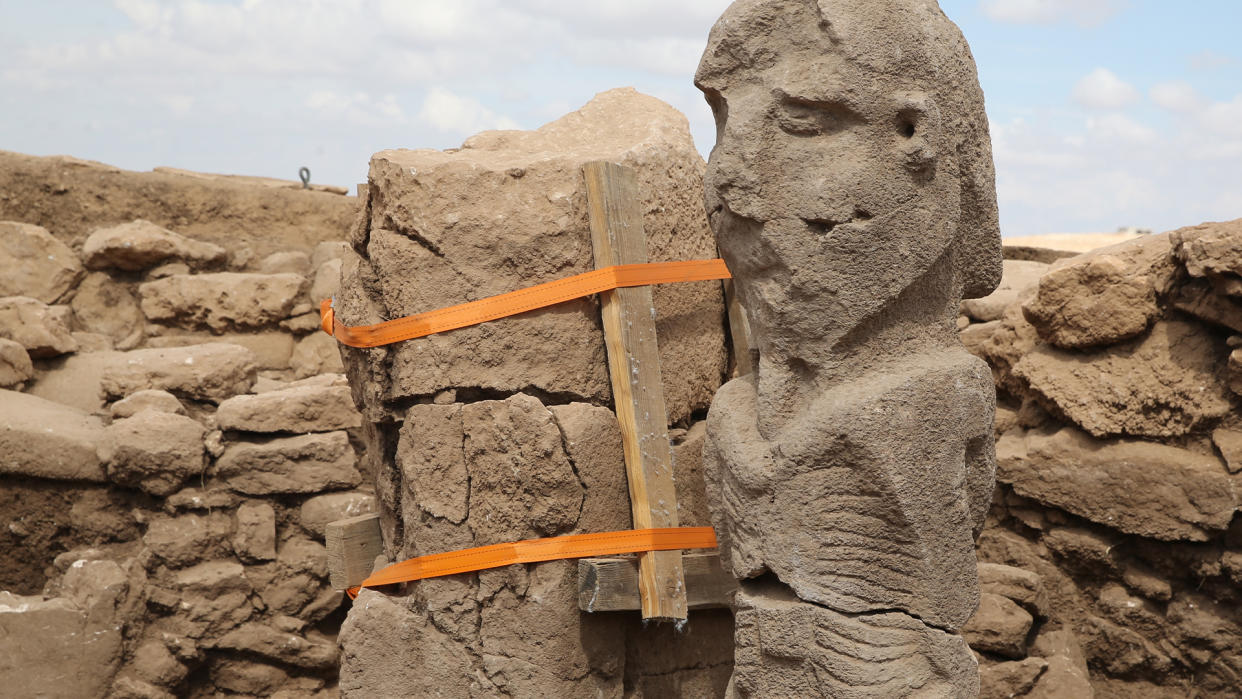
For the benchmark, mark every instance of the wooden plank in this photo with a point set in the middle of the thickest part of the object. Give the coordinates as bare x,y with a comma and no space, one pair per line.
611,584
352,545
739,332
634,365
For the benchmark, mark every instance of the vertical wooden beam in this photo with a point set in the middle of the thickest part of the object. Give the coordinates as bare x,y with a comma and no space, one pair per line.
634,364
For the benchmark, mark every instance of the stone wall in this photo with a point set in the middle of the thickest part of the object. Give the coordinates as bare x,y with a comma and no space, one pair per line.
1113,552
505,431
176,434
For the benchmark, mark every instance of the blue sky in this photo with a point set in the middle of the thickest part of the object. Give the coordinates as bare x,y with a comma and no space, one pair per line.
1105,113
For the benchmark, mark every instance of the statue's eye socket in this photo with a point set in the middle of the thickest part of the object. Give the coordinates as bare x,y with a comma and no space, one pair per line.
802,117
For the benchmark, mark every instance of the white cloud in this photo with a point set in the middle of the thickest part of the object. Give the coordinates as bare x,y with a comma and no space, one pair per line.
460,115
1102,89
1084,12
358,108
1177,96
1118,127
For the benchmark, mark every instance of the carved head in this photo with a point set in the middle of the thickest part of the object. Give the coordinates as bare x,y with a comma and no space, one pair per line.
852,159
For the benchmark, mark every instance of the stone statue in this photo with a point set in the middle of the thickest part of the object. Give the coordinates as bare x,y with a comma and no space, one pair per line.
852,193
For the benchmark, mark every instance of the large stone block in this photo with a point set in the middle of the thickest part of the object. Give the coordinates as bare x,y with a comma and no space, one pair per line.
105,306
209,372
15,364
1019,275
35,263
154,451
1164,384
139,245
222,300
508,210
43,439
43,330
1103,296
1211,249
295,409
1142,488
306,464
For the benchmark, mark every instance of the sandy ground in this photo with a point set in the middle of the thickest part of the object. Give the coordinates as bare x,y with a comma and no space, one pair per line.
1071,242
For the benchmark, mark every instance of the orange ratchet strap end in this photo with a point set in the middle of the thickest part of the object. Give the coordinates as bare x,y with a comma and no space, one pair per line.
521,301
538,550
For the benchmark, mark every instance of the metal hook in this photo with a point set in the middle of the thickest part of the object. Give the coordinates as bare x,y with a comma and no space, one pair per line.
304,175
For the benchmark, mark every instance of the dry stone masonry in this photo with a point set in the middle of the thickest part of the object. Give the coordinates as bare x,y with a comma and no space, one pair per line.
504,431
851,191
164,475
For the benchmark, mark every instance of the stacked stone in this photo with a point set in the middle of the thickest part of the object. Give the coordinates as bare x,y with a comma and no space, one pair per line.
1118,460
505,431
177,434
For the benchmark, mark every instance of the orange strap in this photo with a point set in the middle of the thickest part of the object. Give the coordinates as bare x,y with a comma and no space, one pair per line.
514,302
536,550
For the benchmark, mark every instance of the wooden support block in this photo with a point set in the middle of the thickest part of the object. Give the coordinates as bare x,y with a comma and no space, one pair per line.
353,545
611,584
618,238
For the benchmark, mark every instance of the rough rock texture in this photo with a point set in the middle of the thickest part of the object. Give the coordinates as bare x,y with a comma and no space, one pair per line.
150,399
105,306
210,372
1104,296
43,439
1127,535
320,510
1139,488
35,264
43,330
506,211
503,431
305,464
222,300
851,192
1165,384
139,245
154,451
998,626
298,409
15,365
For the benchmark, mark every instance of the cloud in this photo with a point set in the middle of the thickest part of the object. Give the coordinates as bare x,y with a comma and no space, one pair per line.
1102,89
460,115
1120,128
358,108
1083,12
1177,96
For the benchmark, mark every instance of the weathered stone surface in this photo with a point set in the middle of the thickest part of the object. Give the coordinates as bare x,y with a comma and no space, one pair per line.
222,300
141,244
851,190
1011,679
1022,586
318,511
1200,300
272,350
999,626
327,280
43,439
315,354
150,399
1210,249
248,678
1162,385
508,210
210,372
1229,443
105,306
45,637
1142,488
592,439
1103,296
306,464
43,330
153,663
154,451
266,642
255,537
295,579
36,264
786,648
76,380
297,409
1018,276
15,365
187,539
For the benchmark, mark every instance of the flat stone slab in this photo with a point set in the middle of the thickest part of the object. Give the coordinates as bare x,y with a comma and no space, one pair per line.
306,464
221,300
210,372
295,409
43,439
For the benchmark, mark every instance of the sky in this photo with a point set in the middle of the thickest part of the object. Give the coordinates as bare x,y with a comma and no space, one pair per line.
1104,113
